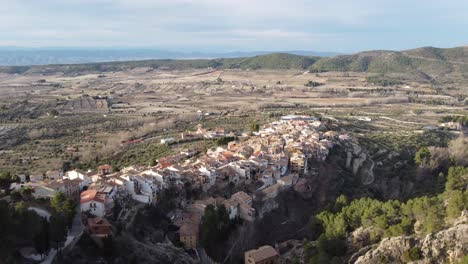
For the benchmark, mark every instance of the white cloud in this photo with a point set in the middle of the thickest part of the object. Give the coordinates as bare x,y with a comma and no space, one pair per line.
254,24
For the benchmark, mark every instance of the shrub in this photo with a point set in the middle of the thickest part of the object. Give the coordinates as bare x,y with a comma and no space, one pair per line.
412,254
422,156
313,84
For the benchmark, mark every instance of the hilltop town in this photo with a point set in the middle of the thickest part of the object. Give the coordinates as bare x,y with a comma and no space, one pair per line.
238,162
253,167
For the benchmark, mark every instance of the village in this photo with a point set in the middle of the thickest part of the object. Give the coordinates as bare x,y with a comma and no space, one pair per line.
266,162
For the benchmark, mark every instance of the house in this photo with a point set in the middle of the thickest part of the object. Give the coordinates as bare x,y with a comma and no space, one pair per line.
99,227
142,189
271,191
71,188
262,255
40,191
54,174
86,177
240,204
104,169
94,202
188,235
36,177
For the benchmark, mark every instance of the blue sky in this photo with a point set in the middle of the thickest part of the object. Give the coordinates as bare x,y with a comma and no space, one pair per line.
240,25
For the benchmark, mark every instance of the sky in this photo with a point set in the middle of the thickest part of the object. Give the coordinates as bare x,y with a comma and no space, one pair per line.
235,25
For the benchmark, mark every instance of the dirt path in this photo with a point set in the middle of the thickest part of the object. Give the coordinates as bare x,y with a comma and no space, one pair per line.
400,121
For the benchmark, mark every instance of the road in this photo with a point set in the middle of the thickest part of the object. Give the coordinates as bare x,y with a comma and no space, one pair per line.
73,236
41,212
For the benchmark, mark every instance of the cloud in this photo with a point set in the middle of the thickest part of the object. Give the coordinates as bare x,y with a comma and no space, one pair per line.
243,24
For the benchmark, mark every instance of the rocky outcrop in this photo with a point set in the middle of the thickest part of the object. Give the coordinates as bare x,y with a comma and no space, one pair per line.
445,246
131,249
360,163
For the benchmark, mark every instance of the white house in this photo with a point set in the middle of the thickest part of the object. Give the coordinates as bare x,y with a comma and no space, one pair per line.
210,174
142,189
240,204
94,202
78,174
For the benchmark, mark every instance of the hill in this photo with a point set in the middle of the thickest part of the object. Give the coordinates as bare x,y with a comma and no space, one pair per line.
427,64
387,62
13,56
269,61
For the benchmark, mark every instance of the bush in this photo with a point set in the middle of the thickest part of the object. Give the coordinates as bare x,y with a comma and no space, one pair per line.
313,84
382,80
412,254
422,156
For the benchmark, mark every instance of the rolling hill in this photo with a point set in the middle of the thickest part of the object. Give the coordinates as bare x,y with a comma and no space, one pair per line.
426,64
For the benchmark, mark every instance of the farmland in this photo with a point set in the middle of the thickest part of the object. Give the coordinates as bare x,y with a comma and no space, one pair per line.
50,118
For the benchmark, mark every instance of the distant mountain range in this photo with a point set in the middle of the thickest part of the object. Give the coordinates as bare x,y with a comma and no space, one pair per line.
13,56
428,64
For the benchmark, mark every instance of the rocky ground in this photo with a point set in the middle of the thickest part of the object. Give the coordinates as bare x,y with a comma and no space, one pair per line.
445,246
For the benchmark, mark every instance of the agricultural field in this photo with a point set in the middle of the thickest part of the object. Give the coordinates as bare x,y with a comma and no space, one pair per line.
55,119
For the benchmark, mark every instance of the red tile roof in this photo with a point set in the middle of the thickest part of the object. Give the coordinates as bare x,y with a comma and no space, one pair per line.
99,226
92,195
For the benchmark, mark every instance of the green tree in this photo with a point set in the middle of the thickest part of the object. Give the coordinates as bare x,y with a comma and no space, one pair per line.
58,232
41,238
412,254
63,206
423,156
215,229
20,207
254,127
457,178
340,202
456,203
5,180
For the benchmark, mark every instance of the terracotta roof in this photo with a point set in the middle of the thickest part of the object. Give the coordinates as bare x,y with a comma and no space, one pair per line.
92,195
99,226
262,253
242,196
98,221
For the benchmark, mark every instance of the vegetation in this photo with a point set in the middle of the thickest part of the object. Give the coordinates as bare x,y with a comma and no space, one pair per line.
424,61
6,178
462,119
254,127
41,238
270,61
422,156
215,229
143,154
19,227
313,84
63,207
392,218
382,80
412,254
223,141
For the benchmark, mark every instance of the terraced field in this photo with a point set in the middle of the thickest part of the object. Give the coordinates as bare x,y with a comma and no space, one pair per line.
42,115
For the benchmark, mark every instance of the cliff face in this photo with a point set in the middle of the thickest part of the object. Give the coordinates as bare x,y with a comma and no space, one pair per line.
445,246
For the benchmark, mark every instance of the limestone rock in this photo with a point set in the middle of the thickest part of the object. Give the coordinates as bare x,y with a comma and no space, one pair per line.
445,246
